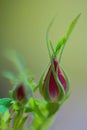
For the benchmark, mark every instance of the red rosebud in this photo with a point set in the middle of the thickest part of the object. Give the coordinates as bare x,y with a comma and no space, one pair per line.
20,92
51,84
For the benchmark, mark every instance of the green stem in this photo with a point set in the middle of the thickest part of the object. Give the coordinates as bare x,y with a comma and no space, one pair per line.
17,120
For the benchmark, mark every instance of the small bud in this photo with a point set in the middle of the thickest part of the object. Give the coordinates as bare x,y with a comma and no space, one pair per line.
20,93
50,89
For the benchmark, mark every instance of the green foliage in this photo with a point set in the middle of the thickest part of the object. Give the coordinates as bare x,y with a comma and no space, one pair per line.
16,59
3,109
4,120
5,103
11,76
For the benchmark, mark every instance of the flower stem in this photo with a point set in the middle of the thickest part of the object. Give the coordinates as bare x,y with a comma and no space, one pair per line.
17,119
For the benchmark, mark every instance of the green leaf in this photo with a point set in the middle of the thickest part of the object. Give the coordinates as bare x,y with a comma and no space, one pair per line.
3,109
16,58
40,114
32,84
33,104
11,76
65,38
5,102
18,61
37,106
15,106
4,120
6,116
28,109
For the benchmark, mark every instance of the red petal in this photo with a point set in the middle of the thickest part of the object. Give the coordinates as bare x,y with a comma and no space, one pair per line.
53,88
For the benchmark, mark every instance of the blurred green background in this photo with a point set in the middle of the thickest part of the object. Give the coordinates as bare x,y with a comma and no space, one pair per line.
23,25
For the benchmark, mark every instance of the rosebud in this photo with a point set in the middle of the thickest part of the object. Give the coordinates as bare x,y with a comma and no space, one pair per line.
20,93
51,88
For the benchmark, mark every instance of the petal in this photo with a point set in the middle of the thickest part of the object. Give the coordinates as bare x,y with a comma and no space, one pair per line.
53,88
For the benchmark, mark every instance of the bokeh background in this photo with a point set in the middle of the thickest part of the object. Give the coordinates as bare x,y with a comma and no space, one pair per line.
23,25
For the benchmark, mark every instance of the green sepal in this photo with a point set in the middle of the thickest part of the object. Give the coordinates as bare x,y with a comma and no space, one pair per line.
59,45
53,51
65,38
67,93
46,93
72,25
41,81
